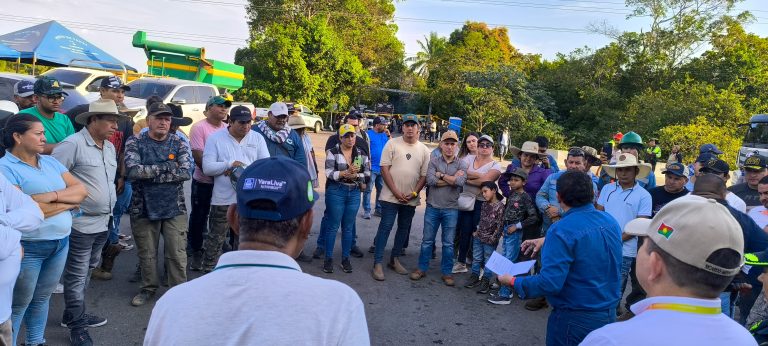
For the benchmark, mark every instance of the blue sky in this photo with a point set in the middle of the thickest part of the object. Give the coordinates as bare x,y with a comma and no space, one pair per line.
220,25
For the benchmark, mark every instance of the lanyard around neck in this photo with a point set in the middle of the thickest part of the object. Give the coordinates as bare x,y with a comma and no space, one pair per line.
692,309
254,265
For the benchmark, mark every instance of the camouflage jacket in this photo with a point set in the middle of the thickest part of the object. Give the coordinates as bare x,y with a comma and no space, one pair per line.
520,209
157,171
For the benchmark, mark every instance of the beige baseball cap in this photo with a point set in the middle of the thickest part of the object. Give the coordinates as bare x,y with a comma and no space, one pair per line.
690,229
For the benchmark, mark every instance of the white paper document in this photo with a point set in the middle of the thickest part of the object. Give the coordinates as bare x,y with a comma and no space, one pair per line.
499,265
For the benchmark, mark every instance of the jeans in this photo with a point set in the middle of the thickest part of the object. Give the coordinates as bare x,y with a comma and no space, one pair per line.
481,252
218,228
725,303
468,221
389,211
626,267
567,327
200,196
40,271
445,219
377,180
342,203
511,247
147,235
83,256
121,205
324,225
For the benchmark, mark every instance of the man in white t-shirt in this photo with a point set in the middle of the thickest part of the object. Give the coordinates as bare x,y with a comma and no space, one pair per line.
760,214
692,250
404,163
226,150
258,294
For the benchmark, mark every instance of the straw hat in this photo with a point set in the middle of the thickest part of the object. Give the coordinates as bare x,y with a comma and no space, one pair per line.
529,147
628,160
98,107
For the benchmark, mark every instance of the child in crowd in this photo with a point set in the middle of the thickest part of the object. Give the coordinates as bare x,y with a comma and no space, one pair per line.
486,237
520,212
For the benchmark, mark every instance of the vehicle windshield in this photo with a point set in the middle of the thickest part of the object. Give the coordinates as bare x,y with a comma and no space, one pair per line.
68,76
757,135
145,90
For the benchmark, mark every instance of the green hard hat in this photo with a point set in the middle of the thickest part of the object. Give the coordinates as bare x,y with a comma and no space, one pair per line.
631,139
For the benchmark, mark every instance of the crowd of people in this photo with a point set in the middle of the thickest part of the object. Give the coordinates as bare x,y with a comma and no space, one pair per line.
67,179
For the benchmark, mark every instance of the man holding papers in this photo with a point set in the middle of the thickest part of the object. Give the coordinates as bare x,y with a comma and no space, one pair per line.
581,261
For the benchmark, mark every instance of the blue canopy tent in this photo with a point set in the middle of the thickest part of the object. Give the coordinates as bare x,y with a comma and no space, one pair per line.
53,44
8,53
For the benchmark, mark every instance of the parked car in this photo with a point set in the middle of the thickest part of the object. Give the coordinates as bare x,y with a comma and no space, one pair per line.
191,96
311,119
261,114
8,80
83,80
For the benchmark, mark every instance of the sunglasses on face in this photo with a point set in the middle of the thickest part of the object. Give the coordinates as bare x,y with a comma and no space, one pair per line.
485,145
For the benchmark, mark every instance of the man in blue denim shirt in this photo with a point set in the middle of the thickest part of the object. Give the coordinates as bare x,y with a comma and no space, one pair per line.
581,260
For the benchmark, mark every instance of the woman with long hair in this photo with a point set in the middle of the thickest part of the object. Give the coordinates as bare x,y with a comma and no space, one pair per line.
57,193
469,145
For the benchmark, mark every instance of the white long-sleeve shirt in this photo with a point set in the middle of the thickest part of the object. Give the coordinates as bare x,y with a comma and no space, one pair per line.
221,151
18,213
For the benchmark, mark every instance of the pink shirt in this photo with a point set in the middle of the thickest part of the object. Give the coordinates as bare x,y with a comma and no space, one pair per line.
197,136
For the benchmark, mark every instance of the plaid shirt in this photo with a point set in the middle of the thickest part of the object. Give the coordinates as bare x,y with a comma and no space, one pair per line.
336,163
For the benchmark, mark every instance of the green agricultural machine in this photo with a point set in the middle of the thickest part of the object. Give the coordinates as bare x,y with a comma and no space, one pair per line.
188,63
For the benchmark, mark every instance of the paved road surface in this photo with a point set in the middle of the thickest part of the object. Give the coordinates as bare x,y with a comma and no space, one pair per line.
399,311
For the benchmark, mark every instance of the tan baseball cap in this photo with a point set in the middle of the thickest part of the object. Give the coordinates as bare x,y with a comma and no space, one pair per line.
448,135
690,229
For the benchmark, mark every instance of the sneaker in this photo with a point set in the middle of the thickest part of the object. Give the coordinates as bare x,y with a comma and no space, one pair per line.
499,300
473,281
367,215
196,262
372,249
536,304
59,289
142,298
355,252
485,286
80,337
328,266
91,321
459,267
304,258
318,254
377,213
346,266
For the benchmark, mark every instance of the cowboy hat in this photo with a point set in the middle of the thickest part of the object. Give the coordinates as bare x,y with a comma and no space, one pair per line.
592,156
178,118
529,147
628,160
99,107
296,122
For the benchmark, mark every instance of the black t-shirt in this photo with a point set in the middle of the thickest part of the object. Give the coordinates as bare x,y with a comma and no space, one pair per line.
751,197
660,197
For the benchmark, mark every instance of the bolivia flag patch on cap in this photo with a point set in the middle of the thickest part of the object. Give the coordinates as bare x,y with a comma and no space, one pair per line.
665,230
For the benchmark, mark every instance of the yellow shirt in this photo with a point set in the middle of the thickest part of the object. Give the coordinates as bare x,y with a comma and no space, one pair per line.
407,163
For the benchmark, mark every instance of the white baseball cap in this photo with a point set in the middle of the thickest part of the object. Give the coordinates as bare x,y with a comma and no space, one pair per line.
690,229
278,108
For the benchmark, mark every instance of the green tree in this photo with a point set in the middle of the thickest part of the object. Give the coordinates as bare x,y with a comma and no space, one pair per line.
700,131
426,59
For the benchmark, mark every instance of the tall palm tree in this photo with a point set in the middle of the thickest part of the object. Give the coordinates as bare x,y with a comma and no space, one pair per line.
426,59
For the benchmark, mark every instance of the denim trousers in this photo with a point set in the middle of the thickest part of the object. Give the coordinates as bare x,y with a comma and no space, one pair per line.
446,220
41,268
467,224
342,203
200,199
511,247
83,256
325,224
481,252
147,234
121,205
626,267
377,180
567,327
389,211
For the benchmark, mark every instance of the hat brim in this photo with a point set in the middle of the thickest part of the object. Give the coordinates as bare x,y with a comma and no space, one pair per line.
517,152
755,168
593,160
638,227
183,121
163,112
129,112
682,174
82,118
645,170
26,94
759,259
55,92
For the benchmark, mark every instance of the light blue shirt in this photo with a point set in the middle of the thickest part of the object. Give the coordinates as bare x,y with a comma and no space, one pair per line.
34,180
547,195
625,205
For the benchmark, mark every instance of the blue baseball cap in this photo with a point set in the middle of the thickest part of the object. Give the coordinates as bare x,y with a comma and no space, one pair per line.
24,88
277,179
709,148
114,82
